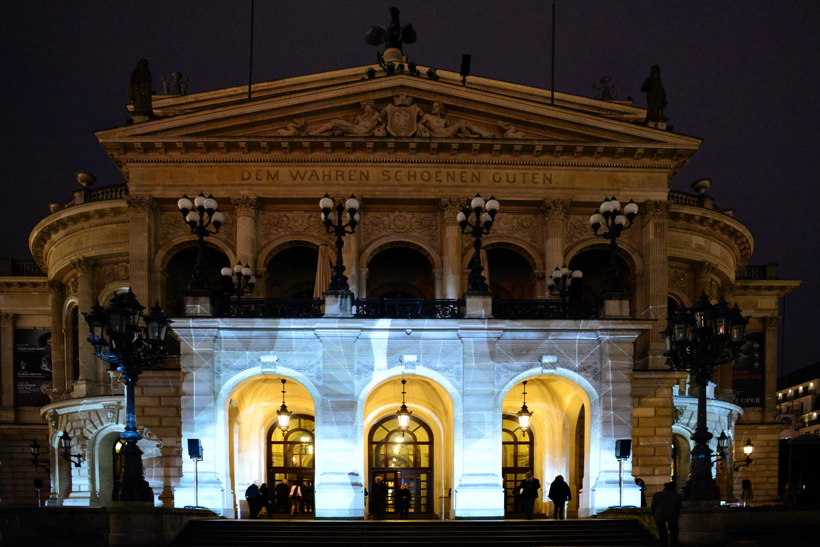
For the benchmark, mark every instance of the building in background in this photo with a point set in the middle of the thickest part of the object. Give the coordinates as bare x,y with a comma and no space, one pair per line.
414,148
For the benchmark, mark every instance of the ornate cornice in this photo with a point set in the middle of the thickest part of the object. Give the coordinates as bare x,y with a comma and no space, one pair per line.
555,209
715,226
246,205
141,204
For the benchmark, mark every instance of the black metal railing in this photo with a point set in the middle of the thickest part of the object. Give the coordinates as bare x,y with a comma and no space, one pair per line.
394,308
270,308
545,309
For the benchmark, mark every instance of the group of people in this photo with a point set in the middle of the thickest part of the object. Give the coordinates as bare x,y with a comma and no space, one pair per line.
378,499
294,498
559,494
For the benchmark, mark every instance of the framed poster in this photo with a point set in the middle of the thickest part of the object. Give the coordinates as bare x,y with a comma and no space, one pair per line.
32,367
748,372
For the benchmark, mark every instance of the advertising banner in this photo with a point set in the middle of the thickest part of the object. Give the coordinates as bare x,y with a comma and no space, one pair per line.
32,367
748,371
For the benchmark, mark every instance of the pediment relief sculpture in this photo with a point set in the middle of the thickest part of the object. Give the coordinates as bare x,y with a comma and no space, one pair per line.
402,118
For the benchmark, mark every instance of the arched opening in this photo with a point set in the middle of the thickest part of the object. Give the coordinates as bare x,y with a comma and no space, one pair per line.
403,457
180,270
593,263
257,448
292,272
400,272
516,460
558,435
511,274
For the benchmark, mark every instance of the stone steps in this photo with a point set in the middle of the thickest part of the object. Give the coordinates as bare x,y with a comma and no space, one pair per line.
586,532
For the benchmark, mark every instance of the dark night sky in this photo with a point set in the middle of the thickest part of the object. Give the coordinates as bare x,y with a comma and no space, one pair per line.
742,75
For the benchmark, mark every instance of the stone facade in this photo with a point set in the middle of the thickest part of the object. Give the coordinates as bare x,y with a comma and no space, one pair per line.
592,381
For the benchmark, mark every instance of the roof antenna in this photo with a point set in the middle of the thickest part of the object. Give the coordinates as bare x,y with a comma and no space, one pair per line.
465,69
250,61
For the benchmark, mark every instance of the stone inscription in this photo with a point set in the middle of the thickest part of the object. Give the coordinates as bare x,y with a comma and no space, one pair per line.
380,176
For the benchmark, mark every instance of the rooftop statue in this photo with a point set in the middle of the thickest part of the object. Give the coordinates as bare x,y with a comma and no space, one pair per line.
655,98
606,92
177,86
393,36
140,90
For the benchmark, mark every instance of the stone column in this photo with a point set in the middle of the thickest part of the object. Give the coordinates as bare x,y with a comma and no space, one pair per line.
85,385
703,278
247,233
7,368
477,458
770,389
451,238
340,478
141,248
58,362
554,237
653,292
350,256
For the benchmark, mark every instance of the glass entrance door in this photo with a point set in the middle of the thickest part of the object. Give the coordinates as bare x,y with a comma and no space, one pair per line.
290,456
516,460
404,458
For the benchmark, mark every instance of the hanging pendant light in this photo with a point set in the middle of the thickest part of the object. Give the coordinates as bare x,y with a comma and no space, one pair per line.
524,414
283,415
403,415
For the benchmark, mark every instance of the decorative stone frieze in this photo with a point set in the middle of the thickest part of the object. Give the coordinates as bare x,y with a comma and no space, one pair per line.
524,227
577,229
375,225
681,279
272,225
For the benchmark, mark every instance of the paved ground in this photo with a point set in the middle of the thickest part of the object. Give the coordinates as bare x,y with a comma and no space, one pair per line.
796,536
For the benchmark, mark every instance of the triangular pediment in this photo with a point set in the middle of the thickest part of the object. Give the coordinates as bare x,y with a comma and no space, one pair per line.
485,108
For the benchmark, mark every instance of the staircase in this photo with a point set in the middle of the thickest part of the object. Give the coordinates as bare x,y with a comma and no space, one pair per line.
592,532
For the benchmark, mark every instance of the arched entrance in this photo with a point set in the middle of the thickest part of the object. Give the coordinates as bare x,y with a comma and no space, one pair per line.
290,454
516,460
403,457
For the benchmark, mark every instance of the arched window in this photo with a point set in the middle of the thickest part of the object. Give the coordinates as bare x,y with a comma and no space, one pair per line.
403,458
292,272
516,459
510,274
400,272
291,456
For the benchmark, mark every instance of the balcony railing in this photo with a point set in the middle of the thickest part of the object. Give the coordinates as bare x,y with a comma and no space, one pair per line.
270,308
545,309
378,308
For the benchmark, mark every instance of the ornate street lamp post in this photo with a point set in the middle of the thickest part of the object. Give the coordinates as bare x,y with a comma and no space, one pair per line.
339,223
238,281
609,214
560,282
483,215
200,215
119,339
697,340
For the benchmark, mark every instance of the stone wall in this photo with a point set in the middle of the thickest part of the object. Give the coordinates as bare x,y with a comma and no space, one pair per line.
17,474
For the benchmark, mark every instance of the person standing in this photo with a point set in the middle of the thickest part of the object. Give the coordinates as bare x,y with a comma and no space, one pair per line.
403,501
282,492
529,492
560,494
378,497
265,494
254,499
666,507
295,497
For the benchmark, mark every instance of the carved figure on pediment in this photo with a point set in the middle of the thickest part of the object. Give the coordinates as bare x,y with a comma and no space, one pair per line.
510,131
402,116
438,124
140,89
293,129
362,124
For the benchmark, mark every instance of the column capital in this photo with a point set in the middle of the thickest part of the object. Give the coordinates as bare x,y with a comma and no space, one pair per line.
141,204
6,319
246,205
54,287
772,321
555,209
705,268
451,206
655,210
84,264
